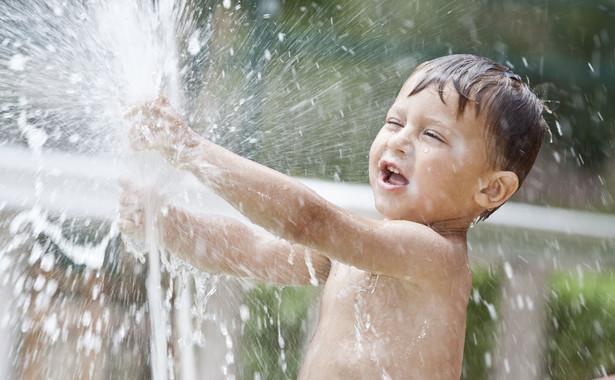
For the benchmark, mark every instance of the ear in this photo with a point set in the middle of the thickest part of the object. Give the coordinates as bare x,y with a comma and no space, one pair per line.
497,189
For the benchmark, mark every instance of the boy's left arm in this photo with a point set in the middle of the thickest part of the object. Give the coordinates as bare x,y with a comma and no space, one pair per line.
291,210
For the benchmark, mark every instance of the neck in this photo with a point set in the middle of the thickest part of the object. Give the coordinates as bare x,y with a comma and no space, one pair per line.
458,226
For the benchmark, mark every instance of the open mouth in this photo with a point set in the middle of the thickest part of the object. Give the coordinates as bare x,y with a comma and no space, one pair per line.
390,175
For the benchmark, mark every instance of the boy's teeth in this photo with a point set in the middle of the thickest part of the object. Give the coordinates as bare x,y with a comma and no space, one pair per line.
392,169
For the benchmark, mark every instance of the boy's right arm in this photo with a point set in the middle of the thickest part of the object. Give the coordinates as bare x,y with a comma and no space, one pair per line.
222,245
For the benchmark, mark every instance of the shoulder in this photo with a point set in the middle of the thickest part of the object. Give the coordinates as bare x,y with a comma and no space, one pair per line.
436,259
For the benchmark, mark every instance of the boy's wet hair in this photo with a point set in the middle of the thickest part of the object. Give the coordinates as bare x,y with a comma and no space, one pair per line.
512,112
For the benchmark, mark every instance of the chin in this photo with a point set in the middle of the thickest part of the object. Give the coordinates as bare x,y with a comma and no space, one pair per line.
390,212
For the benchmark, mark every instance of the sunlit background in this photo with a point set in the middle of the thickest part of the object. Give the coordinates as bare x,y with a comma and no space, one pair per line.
302,87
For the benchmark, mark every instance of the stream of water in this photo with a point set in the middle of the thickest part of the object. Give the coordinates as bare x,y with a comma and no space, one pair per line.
71,69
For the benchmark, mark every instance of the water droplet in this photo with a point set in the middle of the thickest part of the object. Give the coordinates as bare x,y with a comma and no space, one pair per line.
508,270
244,312
194,46
18,62
47,262
39,283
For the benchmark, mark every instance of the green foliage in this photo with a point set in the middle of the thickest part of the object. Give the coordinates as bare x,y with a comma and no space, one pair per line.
581,325
276,331
481,324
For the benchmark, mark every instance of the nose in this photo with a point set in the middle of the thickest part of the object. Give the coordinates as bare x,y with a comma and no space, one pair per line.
401,142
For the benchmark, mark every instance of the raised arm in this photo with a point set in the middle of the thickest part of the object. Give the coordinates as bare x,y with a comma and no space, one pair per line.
223,245
288,209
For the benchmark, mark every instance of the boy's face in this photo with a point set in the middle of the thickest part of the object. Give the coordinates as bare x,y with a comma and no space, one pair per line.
427,163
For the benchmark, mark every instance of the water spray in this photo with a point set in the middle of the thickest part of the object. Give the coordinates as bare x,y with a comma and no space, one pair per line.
72,69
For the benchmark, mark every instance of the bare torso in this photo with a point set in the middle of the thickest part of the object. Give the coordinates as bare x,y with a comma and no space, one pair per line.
378,327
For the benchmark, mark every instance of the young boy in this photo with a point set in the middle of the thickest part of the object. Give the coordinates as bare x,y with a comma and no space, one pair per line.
460,138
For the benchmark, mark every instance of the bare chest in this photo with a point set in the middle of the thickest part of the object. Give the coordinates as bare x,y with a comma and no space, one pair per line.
377,325
368,308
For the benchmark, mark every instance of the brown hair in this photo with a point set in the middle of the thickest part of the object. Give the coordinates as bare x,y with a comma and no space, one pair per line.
513,113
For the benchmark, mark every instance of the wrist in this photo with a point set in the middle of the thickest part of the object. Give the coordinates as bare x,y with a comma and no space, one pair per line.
182,153
170,218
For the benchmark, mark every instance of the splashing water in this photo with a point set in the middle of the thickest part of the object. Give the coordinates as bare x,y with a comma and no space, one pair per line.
71,68
68,70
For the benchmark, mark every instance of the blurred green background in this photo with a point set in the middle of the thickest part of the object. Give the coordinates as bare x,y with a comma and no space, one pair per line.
307,83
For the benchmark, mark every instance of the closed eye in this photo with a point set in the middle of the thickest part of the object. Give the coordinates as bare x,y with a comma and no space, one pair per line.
434,135
395,122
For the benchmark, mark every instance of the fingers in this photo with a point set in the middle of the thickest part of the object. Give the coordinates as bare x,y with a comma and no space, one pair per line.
130,228
142,137
135,201
130,191
140,209
154,125
131,211
143,129
131,214
152,108
162,99
131,201
126,184
137,109
130,221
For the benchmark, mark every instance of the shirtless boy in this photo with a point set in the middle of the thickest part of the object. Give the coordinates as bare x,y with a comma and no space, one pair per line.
458,141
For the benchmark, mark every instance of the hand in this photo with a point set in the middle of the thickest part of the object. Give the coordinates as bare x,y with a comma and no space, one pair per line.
156,125
135,204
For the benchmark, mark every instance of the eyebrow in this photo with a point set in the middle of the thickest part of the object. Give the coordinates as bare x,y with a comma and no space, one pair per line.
396,109
434,120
